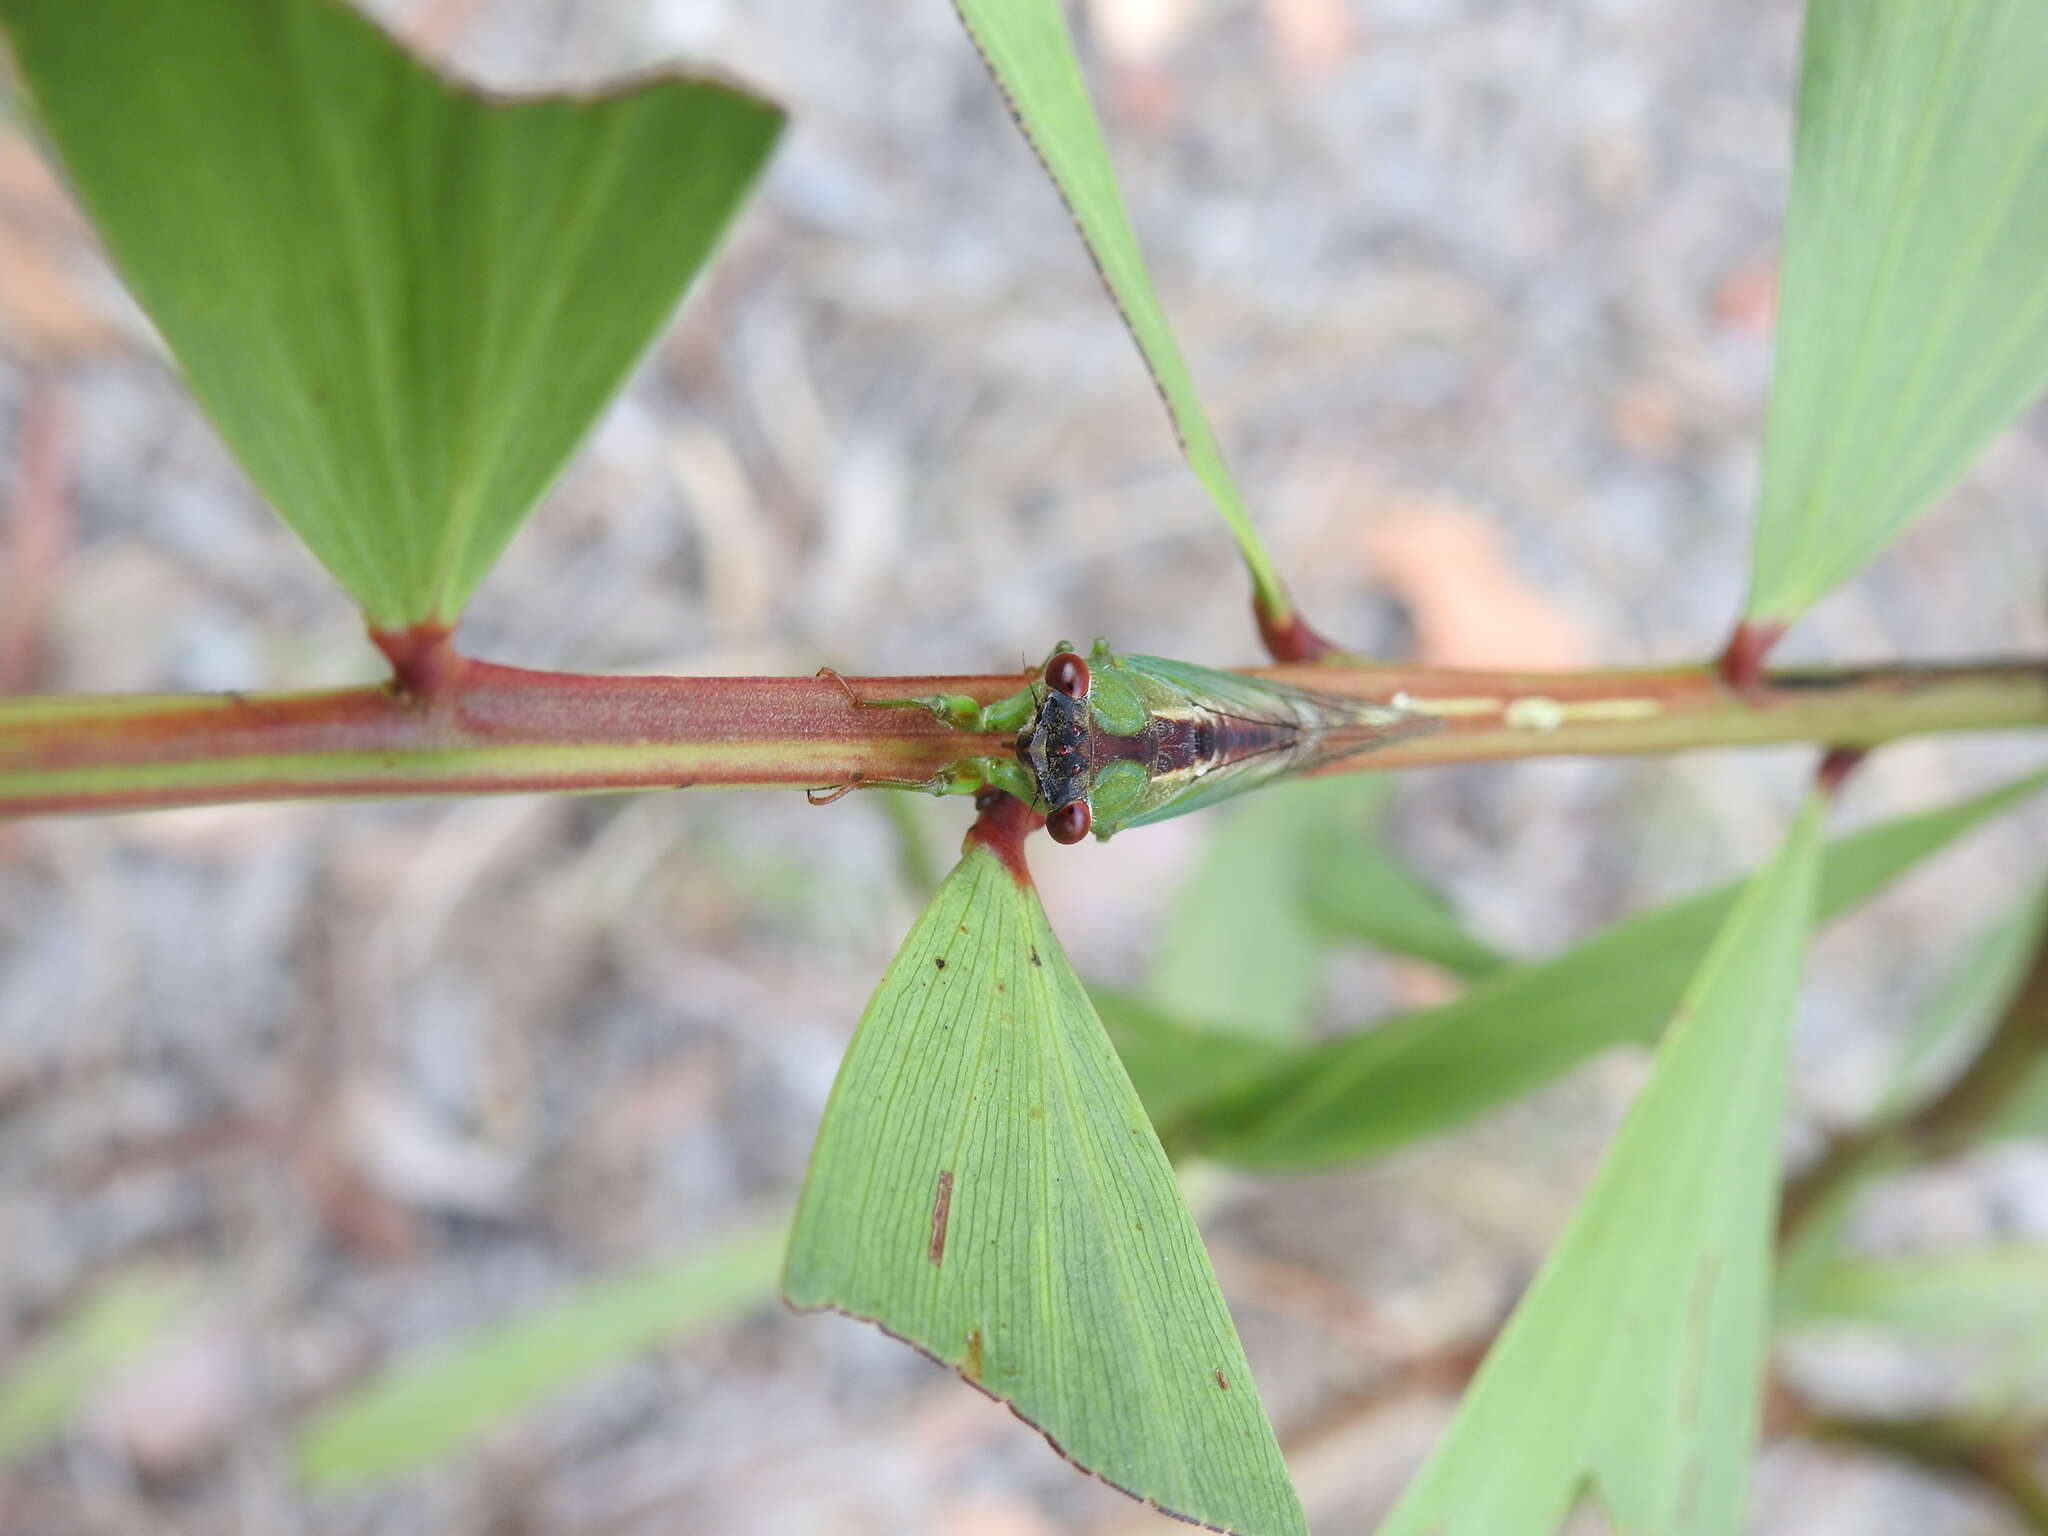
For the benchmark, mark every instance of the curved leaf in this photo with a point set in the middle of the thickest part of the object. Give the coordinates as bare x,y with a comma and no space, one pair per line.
1026,47
1425,1073
46,1386
401,302
1631,1368
1915,315
428,1408
986,1187
1945,1295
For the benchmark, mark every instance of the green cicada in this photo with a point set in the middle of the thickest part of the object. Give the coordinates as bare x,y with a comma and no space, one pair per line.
1106,742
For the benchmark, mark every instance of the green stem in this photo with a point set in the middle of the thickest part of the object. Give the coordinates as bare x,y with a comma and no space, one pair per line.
463,727
2001,1458
1947,1123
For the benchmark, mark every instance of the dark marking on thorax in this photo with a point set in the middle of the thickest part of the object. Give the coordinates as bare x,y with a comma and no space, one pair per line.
1063,748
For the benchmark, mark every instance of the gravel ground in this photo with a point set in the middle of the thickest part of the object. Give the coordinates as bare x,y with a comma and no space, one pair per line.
1479,292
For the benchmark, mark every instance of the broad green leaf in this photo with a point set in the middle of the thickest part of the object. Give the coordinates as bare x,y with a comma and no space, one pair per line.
43,1389
986,1187
1430,1071
1174,1065
426,1409
1947,1295
1026,47
1630,1370
401,301
1914,322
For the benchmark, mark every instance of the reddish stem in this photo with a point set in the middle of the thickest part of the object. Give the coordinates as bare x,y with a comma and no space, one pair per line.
1004,823
1288,636
1836,767
455,726
424,662
1742,663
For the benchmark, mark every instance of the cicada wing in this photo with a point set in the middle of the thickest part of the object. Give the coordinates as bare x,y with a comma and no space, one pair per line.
1308,752
1239,697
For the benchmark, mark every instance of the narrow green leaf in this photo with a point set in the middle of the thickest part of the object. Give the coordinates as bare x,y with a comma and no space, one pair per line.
1237,952
425,1409
1430,1071
43,1389
986,1187
1630,1370
2026,1113
1947,1295
1176,1066
402,303
1915,316
1027,49
1364,891
1280,878
1971,1000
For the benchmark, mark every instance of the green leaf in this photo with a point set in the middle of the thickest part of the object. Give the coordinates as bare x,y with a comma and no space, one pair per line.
1430,1071
2026,1113
1176,1066
1971,1000
402,303
1948,1295
1631,1368
1026,47
1362,890
42,1390
986,1187
425,1409
1237,952
1279,878
1915,316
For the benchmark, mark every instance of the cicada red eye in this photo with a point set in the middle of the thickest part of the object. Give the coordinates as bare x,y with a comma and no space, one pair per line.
1070,823
1067,673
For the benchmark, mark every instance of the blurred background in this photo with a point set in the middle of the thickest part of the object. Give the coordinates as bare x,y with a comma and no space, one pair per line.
1480,293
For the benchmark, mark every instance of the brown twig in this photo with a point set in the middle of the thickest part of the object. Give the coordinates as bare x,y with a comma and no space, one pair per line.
449,725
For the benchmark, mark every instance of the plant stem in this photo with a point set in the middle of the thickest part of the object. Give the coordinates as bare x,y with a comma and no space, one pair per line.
1946,1123
2000,1457
456,726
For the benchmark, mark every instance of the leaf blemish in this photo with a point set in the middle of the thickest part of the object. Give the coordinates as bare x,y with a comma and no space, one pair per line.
939,961
970,1365
1221,1384
1034,956
942,1203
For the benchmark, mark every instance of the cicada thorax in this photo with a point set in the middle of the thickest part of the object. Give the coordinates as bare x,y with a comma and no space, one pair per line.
1077,759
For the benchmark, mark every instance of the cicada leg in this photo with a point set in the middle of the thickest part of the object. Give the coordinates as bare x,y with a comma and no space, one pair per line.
963,712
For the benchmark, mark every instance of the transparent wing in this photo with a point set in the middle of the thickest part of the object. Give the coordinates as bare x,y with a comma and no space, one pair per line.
1330,729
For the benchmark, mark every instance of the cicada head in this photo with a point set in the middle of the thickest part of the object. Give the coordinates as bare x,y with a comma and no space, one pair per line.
1053,748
